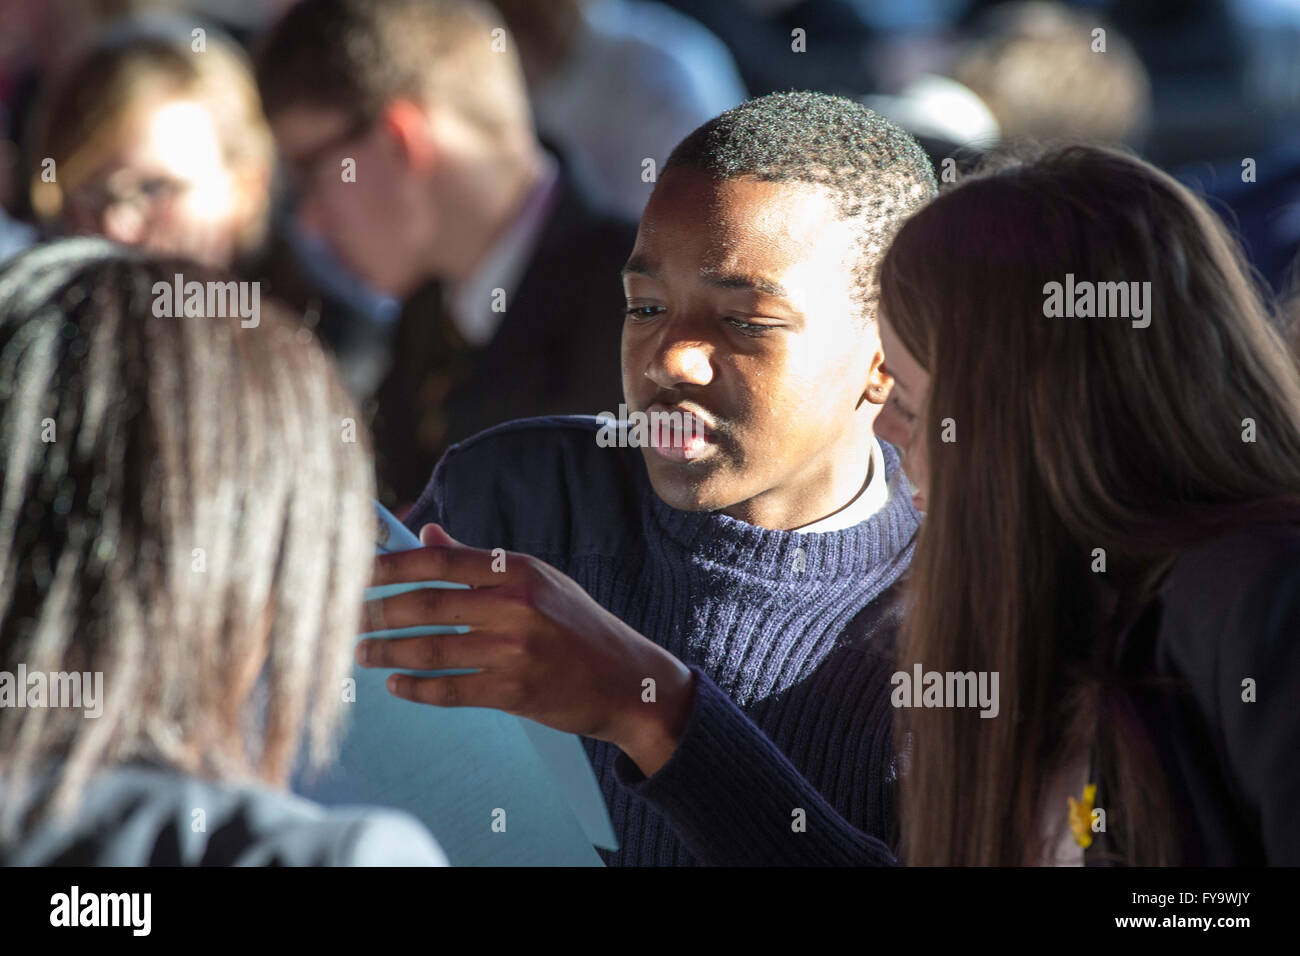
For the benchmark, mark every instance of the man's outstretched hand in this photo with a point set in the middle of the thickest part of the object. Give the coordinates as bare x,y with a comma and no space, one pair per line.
544,648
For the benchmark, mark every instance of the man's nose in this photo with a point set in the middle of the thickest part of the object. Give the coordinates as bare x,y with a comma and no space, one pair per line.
680,359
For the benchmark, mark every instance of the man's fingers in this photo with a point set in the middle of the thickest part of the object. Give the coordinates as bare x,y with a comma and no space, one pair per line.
435,652
435,534
461,690
472,566
425,607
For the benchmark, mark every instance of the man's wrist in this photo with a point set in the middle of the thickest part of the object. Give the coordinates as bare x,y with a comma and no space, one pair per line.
657,725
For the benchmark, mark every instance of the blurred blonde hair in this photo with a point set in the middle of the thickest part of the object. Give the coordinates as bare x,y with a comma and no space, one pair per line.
132,66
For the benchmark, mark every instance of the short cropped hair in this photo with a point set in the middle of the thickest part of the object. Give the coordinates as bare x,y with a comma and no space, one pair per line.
877,174
357,56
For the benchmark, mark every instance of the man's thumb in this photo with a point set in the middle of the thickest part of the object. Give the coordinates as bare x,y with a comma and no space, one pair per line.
432,534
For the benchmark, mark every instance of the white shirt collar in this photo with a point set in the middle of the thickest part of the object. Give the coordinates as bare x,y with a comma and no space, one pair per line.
869,500
471,302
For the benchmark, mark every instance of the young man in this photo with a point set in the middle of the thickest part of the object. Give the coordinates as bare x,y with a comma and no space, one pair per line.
713,611
406,131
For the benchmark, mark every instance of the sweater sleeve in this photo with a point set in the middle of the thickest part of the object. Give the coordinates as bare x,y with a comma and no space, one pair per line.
431,506
734,799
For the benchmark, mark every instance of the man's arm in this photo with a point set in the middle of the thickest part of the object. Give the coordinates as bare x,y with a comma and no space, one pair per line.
431,506
734,799
727,790
546,650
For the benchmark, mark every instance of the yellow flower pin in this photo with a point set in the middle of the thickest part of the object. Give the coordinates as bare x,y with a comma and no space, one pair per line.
1081,816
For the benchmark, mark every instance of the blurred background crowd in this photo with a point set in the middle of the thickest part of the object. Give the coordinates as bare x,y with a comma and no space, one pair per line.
111,124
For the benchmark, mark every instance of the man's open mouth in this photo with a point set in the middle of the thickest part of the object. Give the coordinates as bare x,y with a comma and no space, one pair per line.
679,434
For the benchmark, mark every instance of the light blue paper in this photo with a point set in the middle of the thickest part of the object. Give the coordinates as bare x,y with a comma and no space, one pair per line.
462,770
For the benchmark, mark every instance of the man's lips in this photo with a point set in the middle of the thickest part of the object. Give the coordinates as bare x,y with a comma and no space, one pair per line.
678,433
684,412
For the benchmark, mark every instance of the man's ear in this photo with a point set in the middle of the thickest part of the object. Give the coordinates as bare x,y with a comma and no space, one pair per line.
408,124
879,381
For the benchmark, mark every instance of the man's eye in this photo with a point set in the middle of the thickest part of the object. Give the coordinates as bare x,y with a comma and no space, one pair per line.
748,328
643,311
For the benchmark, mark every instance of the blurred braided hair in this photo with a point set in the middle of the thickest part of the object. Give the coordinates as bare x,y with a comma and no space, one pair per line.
176,500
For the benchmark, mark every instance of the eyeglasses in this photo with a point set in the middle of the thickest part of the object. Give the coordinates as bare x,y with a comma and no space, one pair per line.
146,195
305,171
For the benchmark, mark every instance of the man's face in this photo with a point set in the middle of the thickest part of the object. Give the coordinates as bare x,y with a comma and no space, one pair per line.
741,310
372,221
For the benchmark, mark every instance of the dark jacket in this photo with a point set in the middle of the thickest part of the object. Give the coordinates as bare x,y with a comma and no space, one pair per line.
140,815
556,351
1224,637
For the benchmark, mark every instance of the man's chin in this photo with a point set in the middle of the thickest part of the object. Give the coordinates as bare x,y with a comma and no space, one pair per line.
382,282
685,485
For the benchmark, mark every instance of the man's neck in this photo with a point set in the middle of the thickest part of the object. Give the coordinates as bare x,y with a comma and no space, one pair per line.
815,496
503,189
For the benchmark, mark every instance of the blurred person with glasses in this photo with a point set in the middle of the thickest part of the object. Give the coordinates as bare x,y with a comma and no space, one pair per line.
153,135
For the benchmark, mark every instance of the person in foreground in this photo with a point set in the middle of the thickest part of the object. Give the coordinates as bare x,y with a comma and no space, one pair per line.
1111,481
712,608
173,613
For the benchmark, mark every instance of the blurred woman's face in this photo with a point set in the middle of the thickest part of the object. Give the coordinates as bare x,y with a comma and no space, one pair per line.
900,420
167,187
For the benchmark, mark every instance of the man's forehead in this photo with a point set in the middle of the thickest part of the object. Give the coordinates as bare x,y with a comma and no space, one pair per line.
741,212
758,255
305,125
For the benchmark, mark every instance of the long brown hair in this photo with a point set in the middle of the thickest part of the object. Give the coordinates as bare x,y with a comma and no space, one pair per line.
179,497
1071,435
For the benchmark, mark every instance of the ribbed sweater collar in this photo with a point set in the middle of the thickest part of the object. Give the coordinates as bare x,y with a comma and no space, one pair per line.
851,555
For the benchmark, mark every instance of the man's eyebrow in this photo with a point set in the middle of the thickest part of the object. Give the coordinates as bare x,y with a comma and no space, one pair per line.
735,280
641,266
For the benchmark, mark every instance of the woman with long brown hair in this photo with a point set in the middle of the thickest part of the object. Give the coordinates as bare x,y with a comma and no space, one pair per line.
1104,428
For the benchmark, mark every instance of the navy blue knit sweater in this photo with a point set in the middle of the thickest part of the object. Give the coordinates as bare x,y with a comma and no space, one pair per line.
790,637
